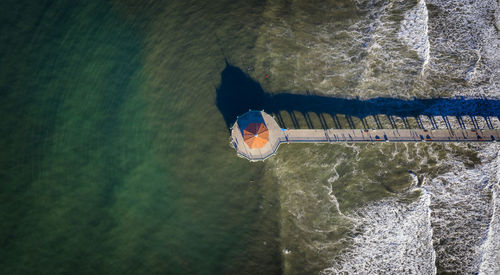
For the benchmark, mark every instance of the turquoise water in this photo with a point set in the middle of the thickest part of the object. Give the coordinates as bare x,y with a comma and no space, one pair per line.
114,159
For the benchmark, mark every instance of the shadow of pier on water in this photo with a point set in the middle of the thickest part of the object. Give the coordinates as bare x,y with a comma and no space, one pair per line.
238,93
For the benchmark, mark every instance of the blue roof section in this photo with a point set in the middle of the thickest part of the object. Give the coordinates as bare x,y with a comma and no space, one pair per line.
250,117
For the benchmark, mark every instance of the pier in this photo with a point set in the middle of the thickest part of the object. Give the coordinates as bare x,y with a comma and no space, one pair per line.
256,135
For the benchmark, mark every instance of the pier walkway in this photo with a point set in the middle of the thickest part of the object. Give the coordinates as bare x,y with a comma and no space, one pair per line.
277,135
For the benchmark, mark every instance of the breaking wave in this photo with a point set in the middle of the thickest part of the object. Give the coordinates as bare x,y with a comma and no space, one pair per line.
452,226
465,46
490,260
368,48
461,211
393,237
414,31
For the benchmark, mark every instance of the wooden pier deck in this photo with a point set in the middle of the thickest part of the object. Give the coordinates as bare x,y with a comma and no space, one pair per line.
278,136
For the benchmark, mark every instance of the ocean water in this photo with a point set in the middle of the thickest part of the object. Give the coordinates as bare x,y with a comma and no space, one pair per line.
385,209
114,157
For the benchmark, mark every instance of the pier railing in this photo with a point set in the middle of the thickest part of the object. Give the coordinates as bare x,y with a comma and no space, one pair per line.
278,135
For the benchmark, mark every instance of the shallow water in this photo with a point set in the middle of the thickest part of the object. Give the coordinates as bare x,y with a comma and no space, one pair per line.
115,157
395,49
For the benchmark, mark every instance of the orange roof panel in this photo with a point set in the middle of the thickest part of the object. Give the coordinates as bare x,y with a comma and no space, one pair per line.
256,135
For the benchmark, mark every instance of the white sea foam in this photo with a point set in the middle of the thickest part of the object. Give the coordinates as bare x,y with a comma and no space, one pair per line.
330,180
458,48
490,260
393,237
465,45
461,211
362,54
451,224
414,31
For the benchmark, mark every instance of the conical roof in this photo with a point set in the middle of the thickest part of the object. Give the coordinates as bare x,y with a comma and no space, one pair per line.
256,135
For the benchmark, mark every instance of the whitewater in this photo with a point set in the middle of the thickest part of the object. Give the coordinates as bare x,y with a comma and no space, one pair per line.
445,216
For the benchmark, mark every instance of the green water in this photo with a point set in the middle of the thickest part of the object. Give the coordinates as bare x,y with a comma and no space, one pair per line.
114,158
